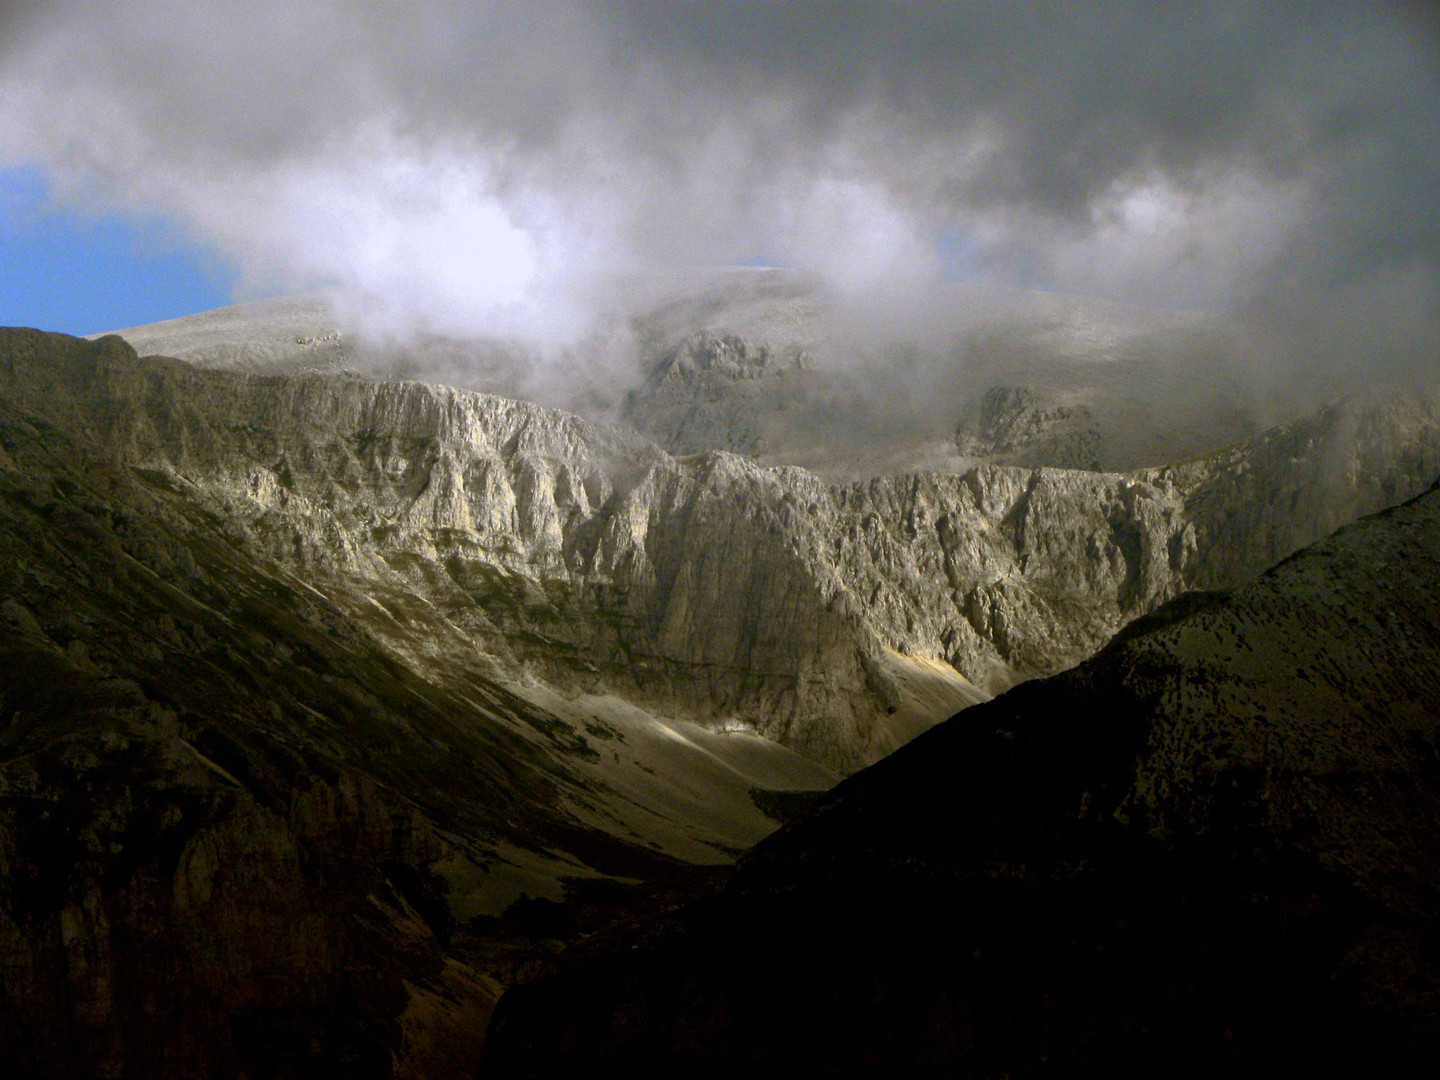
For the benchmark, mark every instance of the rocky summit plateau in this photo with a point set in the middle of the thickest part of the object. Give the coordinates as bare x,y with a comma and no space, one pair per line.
344,689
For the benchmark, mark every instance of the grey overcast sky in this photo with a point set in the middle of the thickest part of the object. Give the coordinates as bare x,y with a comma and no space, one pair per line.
472,166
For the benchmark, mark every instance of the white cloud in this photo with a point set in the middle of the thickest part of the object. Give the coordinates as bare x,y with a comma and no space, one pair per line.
487,165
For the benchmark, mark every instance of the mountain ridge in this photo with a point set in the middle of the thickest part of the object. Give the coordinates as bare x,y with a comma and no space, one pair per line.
589,553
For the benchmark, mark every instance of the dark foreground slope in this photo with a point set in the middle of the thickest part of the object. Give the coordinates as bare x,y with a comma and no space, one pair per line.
1215,847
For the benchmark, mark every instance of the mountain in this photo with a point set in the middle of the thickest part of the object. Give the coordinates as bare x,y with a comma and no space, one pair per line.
335,703
1210,849
773,366
890,600
279,335
586,558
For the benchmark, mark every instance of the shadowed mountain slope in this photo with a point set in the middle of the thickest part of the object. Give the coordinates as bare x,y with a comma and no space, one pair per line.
1214,848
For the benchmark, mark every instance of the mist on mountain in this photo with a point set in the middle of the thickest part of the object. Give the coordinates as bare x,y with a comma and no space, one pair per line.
471,171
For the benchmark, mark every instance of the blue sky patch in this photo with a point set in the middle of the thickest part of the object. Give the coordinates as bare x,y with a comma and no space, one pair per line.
81,273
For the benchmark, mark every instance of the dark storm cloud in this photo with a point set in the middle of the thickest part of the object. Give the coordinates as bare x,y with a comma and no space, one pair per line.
1072,97
495,165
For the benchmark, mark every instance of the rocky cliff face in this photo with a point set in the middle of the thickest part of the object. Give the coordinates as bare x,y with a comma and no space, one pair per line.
1018,425
1212,848
718,392
1257,501
837,620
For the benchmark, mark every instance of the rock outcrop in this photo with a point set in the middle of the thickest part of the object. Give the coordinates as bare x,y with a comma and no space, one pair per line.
717,392
1210,849
1017,425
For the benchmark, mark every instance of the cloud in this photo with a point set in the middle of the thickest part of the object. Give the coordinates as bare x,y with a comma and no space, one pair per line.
471,167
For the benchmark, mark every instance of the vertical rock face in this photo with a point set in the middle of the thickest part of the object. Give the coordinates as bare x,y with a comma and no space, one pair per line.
716,391
1213,847
1017,425
740,595
1257,502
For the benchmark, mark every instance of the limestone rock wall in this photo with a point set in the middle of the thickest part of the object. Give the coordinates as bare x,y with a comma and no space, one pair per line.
742,595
